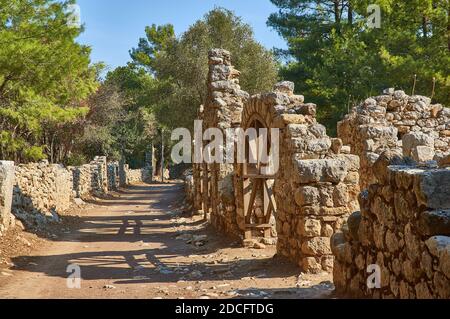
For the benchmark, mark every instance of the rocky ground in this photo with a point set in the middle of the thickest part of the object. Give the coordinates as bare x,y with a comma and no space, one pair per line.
140,244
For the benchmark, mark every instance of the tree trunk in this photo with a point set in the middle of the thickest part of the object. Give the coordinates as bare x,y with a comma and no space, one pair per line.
425,26
337,14
350,14
448,25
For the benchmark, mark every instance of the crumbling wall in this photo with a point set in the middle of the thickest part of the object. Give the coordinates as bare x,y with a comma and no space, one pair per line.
127,176
6,192
38,193
99,168
403,229
381,123
41,191
223,109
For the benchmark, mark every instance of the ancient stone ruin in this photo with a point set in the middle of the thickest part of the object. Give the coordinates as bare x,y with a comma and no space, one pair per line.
381,190
305,202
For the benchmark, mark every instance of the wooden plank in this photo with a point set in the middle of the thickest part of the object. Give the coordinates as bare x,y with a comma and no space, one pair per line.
258,226
247,195
271,195
259,176
251,203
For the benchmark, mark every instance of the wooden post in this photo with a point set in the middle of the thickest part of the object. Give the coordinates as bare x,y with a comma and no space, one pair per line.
154,162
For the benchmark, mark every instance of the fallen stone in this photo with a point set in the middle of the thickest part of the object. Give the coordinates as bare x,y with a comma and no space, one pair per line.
259,246
110,287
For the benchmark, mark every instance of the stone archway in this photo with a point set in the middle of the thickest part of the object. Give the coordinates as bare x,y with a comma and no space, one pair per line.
256,197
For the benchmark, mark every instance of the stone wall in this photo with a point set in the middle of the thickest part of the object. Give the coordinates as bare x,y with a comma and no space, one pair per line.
6,192
41,191
38,193
381,123
139,175
91,179
113,176
403,228
223,109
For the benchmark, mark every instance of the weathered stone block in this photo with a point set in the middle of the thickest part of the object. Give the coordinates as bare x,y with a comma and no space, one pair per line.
317,246
313,171
433,223
309,227
307,196
414,139
437,245
6,193
434,189
422,154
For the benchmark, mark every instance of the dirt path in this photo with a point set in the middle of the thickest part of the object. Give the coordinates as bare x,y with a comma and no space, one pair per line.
138,246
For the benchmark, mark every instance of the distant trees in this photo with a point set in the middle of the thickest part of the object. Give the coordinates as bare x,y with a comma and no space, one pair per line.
336,60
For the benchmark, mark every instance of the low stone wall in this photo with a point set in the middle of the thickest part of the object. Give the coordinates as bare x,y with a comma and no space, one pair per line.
41,190
6,193
38,193
91,179
388,121
403,229
139,175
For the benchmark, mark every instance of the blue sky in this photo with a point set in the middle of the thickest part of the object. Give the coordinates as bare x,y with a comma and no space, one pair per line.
113,27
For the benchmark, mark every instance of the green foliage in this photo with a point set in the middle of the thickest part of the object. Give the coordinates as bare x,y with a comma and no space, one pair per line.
44,78
338,61
180,65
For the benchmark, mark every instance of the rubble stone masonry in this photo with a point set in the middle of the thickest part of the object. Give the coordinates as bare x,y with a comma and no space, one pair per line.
315,188
38,193
223,109
41,190
403,228
6,192
388,121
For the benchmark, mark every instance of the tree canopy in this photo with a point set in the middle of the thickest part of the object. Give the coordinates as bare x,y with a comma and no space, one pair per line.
336,59
45,78
180,64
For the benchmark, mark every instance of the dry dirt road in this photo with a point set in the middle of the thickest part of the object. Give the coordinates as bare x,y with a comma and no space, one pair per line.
138,245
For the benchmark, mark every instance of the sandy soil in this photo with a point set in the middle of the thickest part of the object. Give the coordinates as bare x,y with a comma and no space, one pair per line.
138,245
